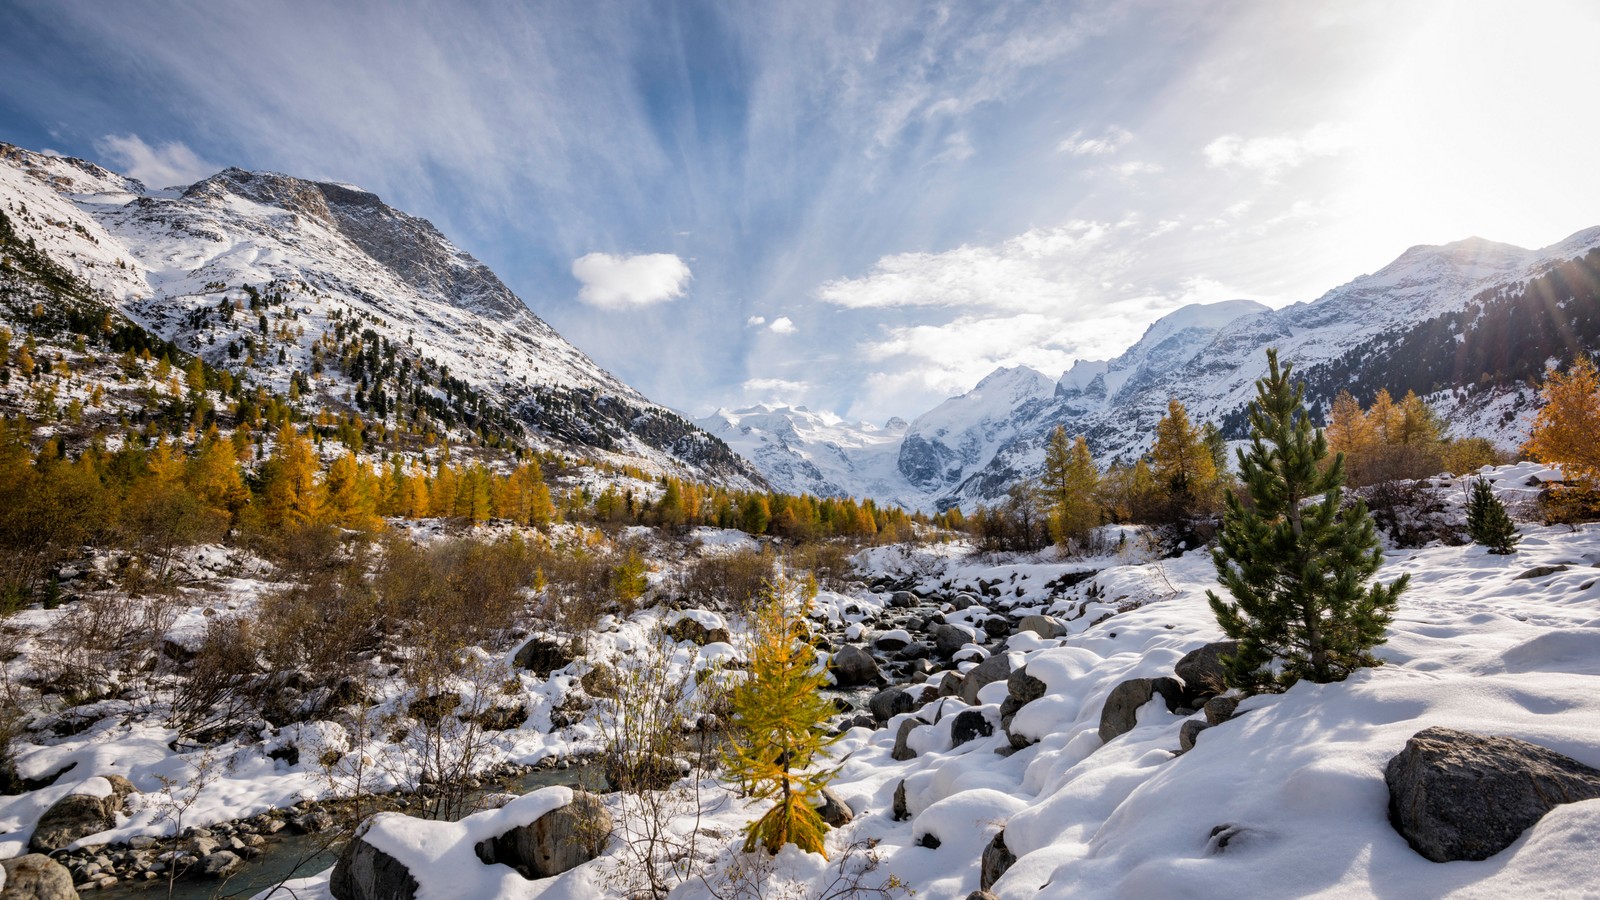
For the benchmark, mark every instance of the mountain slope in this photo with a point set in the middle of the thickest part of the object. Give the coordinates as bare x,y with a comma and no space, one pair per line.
805,452
346,295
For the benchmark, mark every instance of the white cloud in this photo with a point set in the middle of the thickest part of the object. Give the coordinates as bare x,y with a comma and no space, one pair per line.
1114,139
779,391
957,147
755,321
617,282
1039,269
171,164
1135,168
782,325
1275,153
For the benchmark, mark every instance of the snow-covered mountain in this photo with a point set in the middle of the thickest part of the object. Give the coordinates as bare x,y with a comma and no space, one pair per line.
313,259
1368,333
806,452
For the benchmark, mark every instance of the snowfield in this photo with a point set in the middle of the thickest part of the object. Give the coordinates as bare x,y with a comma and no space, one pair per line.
1286,800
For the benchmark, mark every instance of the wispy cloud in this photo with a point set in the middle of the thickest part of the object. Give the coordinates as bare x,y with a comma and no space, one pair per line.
1274,153
615,282
1110,141
167,164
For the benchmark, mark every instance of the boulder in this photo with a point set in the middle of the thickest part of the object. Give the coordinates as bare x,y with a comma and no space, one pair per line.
1201,670
1220,709
888,703
221,864
995,668
542,655
902,811
1043,626
981,895
948,639
1541,572
852,666
834,810
695,632
77,816
1119,715
963,601
1189,733
902,751
902,600
1456,795
364,872
559,840
997,858
970,724
891,641
950,685
37,877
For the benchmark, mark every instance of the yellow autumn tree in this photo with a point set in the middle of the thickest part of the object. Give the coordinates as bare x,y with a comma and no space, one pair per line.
1182,463
352,496
1566,431
780,724
291,493
1067,489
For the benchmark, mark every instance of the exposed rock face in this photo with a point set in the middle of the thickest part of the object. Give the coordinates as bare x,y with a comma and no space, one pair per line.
559,840
995,668
1456,795
364,872
1189,733
997,858
1201,670
1119,715
77,816
853,666
970,724
542,655
37,877
902,811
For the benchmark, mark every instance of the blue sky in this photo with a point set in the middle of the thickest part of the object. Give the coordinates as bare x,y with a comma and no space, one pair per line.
860,207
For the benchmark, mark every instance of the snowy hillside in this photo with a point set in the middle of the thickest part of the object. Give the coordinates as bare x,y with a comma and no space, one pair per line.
1363,335
804,452
312,259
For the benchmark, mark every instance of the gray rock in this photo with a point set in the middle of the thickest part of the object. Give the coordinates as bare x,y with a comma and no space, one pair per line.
1456,795
888,703
1541,572
364,872
542,655
222,864
997,858
902,812
902,600
687,629
981,895
37,877
1201,670
77,816
1119,715
963,601
1189,733
853,666
929,840
555,842
970,724
995,668
947,639
1220,709
834,810
902,751
950,685
1043,626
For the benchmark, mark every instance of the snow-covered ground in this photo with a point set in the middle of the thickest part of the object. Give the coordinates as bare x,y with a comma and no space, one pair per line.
1295,783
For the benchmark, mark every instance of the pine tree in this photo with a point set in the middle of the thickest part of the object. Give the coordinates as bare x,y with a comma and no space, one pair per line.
1488,522
780,725
1295,562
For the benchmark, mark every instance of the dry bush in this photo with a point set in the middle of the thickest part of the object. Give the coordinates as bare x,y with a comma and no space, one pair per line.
826,561
458,592
319,626
729,581
222,685
580,586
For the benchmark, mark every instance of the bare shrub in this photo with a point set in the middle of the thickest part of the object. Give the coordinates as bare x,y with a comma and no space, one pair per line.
728,581
221,688
826,561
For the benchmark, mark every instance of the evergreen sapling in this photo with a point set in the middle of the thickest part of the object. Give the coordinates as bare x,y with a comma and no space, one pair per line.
1295,561
1488,522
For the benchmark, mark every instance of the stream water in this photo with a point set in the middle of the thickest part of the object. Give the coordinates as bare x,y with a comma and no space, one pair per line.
288,856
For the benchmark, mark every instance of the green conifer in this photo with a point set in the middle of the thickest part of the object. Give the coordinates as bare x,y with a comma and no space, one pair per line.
1488,522
1296,563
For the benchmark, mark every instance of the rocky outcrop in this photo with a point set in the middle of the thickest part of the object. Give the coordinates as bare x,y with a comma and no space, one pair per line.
542,655
37,877
696,632
559,840
79,815
1455,795
902,749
